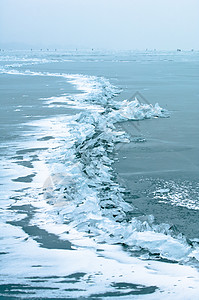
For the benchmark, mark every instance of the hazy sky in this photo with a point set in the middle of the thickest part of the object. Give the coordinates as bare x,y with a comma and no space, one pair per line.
111,24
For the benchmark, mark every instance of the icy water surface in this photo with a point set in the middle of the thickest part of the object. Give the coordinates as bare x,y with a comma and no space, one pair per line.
88,174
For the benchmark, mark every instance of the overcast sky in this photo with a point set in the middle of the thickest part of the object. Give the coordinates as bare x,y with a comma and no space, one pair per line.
111,24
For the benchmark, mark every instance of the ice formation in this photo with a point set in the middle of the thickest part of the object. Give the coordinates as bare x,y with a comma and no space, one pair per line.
75,196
